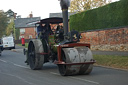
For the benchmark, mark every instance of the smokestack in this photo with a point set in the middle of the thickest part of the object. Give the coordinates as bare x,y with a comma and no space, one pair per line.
64,6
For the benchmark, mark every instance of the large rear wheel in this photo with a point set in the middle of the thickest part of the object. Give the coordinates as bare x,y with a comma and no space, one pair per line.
35,59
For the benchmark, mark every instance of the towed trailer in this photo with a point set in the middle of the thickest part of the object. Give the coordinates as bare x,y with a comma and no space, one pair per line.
62,48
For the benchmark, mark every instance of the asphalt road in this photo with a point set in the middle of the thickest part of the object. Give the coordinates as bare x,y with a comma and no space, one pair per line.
13,71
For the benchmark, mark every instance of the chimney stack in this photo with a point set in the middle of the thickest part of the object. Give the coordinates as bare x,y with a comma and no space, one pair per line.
15,15
31,15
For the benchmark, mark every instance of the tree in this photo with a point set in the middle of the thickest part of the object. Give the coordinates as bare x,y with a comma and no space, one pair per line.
82,5
17,34
3,22
10,28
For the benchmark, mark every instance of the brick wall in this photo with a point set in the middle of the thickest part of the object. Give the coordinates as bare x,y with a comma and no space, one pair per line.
29,31
20,42
107,40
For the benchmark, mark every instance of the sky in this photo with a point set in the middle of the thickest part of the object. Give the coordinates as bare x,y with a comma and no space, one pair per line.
39,8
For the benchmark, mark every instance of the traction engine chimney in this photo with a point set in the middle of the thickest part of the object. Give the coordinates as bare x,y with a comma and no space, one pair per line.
64,6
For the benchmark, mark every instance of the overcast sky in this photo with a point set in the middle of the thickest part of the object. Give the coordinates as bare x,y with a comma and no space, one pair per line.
39,8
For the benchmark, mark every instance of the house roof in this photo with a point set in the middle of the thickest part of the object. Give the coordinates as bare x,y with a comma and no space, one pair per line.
23,22
60,14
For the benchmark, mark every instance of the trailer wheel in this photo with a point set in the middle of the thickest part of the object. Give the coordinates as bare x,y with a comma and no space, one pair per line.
34,58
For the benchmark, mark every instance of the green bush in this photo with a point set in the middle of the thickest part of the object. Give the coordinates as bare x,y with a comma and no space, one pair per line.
108,16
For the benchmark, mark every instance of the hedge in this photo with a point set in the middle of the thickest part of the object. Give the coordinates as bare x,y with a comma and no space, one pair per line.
108,16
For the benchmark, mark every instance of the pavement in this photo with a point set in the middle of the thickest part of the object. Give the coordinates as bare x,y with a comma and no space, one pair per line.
18,49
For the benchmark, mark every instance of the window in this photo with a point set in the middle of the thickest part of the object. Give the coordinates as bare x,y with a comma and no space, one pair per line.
21,37
30,36
35,29
22,31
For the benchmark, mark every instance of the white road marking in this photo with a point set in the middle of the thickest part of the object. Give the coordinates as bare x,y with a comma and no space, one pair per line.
78,78
3,61
19,65
54,73
13,64
18,78
85,80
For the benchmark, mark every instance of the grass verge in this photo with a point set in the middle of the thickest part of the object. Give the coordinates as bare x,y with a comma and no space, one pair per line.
112,61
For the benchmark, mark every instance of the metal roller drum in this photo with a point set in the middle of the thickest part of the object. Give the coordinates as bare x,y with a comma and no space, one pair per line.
77,56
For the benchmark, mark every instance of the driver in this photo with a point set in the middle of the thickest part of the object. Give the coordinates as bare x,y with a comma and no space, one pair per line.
40,29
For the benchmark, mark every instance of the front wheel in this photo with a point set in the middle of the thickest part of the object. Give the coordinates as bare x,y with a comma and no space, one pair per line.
76,55
63,69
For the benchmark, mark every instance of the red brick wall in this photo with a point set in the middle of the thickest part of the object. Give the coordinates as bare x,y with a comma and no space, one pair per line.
109,40
29,31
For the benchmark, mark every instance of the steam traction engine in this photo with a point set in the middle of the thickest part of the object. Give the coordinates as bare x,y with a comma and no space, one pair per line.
61,47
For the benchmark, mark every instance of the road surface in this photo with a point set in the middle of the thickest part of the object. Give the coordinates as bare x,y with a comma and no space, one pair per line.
13,71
